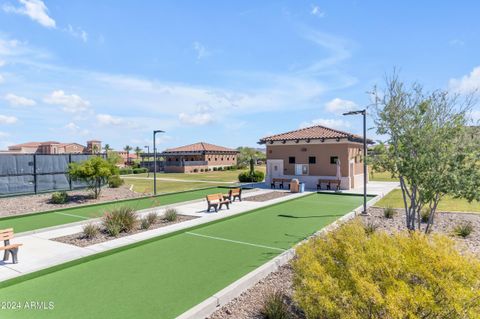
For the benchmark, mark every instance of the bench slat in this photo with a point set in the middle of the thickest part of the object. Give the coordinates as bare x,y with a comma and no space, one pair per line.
11,246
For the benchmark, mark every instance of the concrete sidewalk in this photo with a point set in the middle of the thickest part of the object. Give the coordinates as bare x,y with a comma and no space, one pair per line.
39,251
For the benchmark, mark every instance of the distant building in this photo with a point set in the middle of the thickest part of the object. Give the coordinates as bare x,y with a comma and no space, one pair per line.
197,157
53,147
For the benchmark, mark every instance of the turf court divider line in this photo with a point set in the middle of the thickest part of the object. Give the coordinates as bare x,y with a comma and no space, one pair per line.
71,215
93,256
234,241
232,291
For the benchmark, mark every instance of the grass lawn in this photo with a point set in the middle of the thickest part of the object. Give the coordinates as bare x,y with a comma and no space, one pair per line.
395,200
166,276
383,177
81,213
146,185
218,176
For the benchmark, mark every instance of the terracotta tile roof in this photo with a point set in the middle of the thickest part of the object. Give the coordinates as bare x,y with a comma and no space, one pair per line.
312,132
199,147
32,144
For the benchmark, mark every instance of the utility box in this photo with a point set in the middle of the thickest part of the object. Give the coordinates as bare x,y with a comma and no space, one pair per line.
294,186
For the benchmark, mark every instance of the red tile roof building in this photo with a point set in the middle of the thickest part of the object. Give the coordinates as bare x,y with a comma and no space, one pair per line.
53,147
198,157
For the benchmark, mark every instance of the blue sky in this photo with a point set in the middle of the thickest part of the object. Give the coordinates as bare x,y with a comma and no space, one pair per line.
223,72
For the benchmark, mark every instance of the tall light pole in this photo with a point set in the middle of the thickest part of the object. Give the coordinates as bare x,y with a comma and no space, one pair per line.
148,154
155,161
364,113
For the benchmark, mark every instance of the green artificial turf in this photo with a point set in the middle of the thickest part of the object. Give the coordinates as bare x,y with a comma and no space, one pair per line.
163,277
76,214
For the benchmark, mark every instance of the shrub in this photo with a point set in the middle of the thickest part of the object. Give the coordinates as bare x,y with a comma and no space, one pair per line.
464,229
388,212
115,181
348,274
126,171
140,170
220,168
274,307
370,228
90,231
170,215
195,170
215,169
247,177
144,223
149,220
201,170
121,219
59,198
424,215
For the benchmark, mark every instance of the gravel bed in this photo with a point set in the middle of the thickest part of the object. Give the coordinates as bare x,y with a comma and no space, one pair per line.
250,302
79,240
36,203
267,196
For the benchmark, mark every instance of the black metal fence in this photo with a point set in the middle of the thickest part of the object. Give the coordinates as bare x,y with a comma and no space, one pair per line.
37,173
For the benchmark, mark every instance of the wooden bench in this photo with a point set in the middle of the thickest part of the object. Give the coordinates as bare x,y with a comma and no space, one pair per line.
233,194
330,183
10,249
217,201
280,181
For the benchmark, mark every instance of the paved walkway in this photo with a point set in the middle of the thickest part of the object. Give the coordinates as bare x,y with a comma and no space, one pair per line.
39,251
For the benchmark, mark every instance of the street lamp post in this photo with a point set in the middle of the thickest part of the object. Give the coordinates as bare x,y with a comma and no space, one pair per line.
148,154
155,161
364,113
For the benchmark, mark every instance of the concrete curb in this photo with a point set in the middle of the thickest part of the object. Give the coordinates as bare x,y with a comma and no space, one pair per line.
232,291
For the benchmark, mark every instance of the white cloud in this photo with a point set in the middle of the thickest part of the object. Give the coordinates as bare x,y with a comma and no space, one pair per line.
200,118
5,119
339,106
316,11
2,63
201,50
16,100
4,134
77,33
75,129
331,123
107,119
71,103
34,9
468,83
2,79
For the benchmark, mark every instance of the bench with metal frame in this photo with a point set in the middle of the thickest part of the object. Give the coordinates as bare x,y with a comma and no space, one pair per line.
329,184
10,249
280,181
233,194
216,201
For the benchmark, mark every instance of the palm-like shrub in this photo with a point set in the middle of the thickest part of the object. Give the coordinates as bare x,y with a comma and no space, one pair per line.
171,215
90,231
120,219
464,229
274,307
349,274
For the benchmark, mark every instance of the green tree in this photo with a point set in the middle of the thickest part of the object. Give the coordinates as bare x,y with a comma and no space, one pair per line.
428,149
137,151
127,149
107,148
94,172
248,153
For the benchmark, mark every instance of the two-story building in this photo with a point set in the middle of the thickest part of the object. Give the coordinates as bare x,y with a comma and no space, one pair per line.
311,153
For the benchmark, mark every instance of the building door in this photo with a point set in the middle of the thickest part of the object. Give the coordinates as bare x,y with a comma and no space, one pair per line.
274,169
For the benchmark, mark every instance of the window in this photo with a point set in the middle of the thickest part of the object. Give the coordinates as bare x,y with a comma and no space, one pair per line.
291,160
301,169
312,160
333,159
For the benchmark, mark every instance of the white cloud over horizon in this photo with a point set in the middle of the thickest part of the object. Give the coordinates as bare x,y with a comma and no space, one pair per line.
70,103
330,123
34,9
6,119
339,106
468,83
15,100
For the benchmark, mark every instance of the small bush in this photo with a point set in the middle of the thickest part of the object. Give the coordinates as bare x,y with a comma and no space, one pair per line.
274,307
59,198
370,228
201,170
171,215
463,230
195,170
388,212
121,219
348,274
140,170
90,231
215,169
144,223
424,215
126,171
115,181
220,168
246,177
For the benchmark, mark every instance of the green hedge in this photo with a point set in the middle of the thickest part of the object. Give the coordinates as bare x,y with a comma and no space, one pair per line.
140,170
247,177
125,171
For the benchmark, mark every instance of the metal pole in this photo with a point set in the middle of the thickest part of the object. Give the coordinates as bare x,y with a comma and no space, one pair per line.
154,165
35,186
365,162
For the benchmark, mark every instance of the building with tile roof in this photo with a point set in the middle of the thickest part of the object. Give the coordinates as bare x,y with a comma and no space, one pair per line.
310,155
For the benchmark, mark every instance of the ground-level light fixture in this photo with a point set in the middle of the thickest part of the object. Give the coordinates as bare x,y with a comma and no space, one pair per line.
364,113
155,161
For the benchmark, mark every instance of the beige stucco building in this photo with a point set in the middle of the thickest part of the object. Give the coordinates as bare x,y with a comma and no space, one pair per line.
198,157
53,147
310,154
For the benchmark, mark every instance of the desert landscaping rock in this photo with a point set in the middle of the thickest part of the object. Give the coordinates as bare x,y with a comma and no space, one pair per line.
267,196
36,203
80,240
